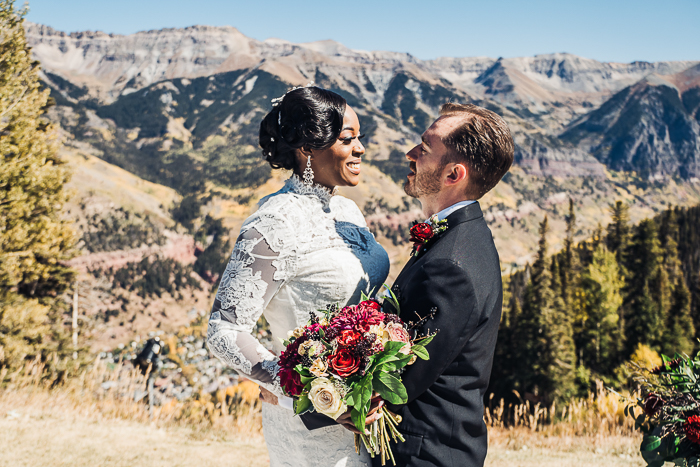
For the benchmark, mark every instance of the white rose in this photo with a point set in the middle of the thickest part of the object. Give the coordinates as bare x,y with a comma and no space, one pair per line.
326,399
311,348
381,332
319,367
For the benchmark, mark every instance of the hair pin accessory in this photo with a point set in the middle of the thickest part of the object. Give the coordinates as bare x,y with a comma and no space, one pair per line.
278,100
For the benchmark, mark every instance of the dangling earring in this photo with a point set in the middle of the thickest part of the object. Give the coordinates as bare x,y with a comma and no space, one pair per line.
308,173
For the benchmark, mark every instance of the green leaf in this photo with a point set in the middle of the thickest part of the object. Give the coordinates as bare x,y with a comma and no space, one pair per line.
426,340
393,366
394,385
386,392
650,443
394,301
365,386
302,404
385,357
420,352
356,399
307,379
358,418
393,347
350,399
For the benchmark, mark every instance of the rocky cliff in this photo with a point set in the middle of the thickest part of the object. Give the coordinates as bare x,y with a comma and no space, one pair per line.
187,84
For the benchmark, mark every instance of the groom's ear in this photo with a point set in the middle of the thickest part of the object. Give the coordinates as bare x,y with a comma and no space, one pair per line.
458,174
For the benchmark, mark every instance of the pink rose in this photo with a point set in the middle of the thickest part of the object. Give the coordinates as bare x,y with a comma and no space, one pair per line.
397,333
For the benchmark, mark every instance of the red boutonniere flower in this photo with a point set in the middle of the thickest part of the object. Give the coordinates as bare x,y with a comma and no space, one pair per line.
423,232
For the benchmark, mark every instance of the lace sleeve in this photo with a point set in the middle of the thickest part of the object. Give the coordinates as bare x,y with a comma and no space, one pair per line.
259,265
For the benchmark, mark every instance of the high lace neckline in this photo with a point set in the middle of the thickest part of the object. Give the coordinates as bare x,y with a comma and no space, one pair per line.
296,185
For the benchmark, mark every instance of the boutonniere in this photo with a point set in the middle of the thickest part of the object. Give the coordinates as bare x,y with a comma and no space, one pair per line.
423,232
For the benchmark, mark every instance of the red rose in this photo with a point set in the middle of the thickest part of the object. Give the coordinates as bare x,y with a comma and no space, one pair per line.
421,233
692,428
347,337
370,304
652,404
344,363
290,380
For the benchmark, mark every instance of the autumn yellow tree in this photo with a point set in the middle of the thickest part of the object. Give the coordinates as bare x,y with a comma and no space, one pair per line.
34,239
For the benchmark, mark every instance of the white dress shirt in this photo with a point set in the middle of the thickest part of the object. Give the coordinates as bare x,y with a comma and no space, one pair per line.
447,211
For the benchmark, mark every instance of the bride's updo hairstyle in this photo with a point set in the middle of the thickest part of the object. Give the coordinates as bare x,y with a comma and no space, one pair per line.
308,117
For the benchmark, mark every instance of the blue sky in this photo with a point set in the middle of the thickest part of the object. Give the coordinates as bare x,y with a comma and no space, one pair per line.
610,30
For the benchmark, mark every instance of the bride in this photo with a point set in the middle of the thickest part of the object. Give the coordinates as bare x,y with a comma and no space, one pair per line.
304,248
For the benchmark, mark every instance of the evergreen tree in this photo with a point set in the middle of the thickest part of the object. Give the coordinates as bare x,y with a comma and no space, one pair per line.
505,375
668,235
570,267
33,237
680,331
695,303
618,230
645,319
601,335
548,363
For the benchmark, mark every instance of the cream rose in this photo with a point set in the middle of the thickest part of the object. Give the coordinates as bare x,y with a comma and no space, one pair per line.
311,348
381,332
326,398
296,332
319,367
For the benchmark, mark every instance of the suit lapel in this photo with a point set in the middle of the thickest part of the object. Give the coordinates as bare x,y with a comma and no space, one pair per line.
466,214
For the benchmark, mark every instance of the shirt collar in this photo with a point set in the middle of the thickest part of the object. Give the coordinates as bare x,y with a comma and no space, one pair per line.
447,211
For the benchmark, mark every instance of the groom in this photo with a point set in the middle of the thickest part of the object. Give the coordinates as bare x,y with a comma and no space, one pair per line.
453,280
456,278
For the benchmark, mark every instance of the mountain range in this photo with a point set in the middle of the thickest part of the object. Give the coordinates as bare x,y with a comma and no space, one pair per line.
567,112
160,129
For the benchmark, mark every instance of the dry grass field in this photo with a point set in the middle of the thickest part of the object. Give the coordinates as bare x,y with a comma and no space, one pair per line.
42,436
80,424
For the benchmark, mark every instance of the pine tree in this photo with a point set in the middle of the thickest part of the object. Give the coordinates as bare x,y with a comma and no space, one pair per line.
645,320
570,267
668,235
680,331
618,230
33,237
695,303
548,353
601,335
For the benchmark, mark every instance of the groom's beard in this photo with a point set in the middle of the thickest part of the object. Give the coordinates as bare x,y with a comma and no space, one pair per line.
424,183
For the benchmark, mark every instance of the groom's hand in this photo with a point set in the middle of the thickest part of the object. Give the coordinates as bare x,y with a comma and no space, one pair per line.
372,416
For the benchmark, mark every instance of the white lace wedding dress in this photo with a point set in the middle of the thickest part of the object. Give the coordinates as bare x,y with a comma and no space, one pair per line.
300,251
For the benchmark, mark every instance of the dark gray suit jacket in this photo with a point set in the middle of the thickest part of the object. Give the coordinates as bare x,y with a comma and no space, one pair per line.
460,275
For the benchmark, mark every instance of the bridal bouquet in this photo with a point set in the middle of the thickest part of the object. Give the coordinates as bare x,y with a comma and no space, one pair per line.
670,417
340,359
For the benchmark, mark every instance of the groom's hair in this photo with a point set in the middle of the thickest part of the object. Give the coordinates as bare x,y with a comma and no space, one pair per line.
482,142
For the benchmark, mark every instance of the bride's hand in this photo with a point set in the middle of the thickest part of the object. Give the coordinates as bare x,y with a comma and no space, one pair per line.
267,396
372,416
